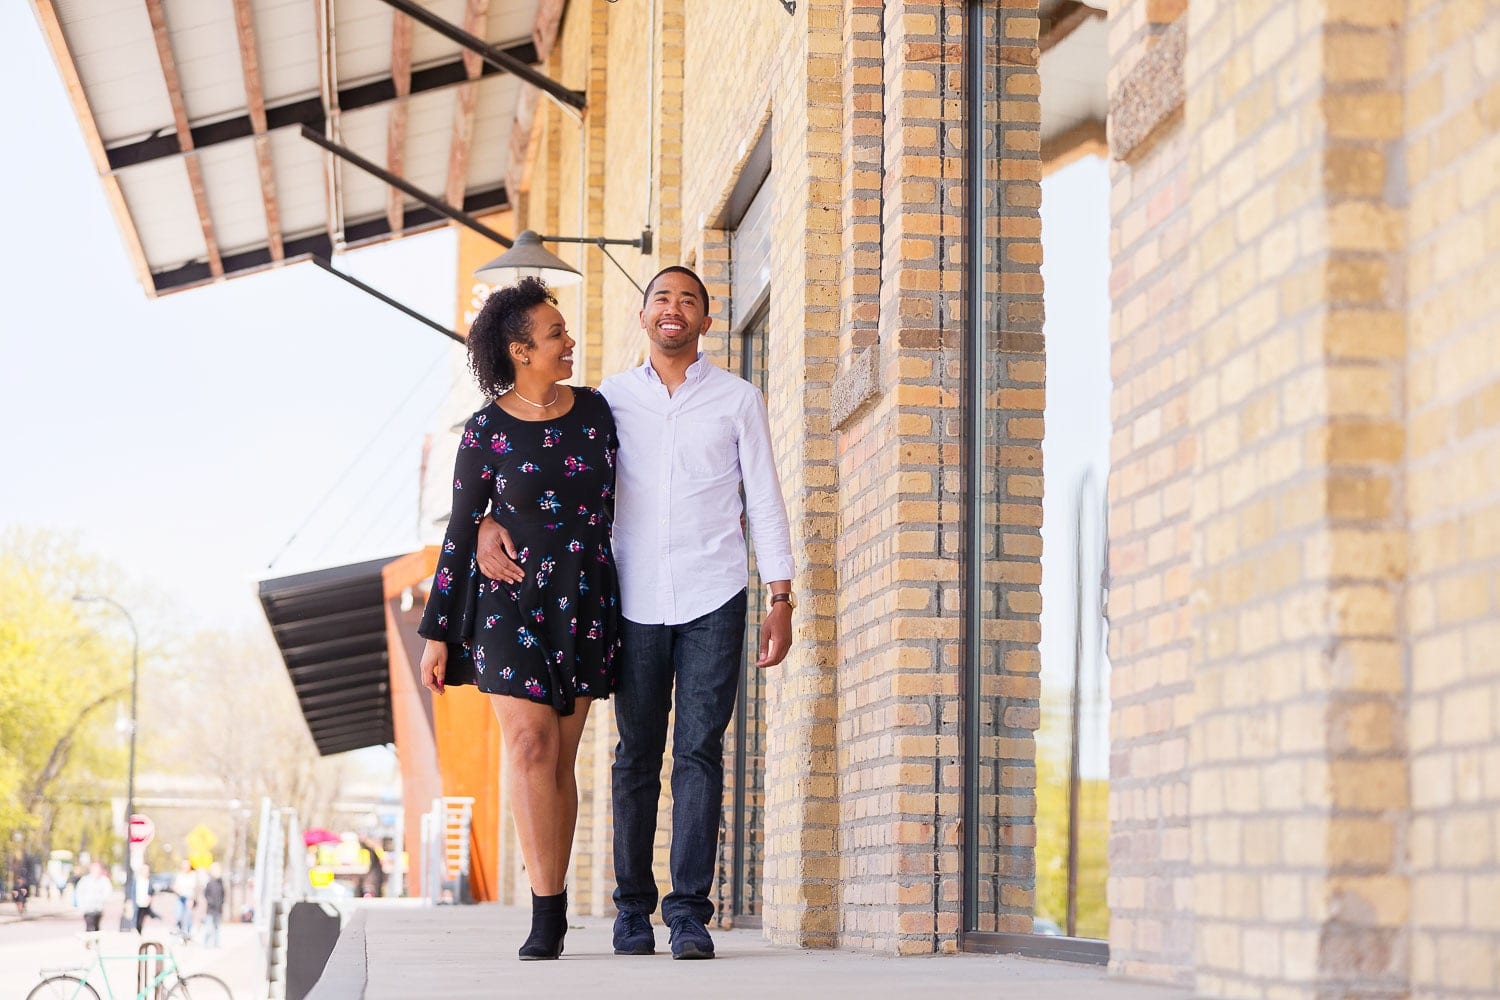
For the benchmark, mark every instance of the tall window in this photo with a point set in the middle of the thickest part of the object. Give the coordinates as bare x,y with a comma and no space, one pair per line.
743,841
1035,872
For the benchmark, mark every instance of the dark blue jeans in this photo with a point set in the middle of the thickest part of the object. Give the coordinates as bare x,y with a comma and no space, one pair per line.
704,657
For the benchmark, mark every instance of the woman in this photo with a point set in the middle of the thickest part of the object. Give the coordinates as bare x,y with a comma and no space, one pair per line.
542,644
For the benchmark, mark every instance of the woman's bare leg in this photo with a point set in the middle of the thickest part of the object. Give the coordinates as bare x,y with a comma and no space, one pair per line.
541,748
570,733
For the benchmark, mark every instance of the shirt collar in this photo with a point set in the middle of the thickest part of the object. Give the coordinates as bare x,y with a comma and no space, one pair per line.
695,371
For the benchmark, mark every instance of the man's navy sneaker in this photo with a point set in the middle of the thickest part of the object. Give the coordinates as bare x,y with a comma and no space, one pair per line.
690,939
633,934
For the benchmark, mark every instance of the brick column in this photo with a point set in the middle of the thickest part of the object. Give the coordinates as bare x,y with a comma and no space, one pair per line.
897,407
1452,164
801,889
1300,785
1152,454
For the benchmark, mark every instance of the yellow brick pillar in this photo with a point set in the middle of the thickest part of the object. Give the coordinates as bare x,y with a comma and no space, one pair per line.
1299,794
801,887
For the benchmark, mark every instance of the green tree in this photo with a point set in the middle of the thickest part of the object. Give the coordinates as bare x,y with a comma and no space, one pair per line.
1092,912
61,682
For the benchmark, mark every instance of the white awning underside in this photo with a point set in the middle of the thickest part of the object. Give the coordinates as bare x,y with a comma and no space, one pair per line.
311,202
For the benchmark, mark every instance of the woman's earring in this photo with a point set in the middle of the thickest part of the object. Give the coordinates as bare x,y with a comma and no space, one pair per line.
525,361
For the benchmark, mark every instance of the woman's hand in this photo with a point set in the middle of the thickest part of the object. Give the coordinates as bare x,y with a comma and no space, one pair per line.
434,665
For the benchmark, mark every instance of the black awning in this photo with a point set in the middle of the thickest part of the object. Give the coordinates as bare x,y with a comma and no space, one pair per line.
330,626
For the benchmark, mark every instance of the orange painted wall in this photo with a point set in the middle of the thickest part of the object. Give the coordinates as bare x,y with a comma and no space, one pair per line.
468,747
416,750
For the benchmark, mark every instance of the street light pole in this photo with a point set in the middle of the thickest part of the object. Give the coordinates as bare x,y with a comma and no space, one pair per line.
135,676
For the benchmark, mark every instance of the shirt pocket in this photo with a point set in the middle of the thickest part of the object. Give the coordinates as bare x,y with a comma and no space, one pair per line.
707,449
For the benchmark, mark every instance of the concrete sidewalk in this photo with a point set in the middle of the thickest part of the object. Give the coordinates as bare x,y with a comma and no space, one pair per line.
458,952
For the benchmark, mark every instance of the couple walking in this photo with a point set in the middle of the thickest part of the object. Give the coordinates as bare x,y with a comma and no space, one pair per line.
554,488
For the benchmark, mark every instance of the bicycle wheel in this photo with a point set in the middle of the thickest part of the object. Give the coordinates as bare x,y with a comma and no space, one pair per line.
63,988
200,986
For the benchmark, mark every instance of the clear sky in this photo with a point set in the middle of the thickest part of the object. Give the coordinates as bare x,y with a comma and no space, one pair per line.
186,438
1075,249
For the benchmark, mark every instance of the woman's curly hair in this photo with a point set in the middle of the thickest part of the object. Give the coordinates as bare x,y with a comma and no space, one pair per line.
504,320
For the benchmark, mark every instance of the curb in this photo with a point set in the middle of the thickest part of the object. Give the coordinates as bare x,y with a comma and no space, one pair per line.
347,972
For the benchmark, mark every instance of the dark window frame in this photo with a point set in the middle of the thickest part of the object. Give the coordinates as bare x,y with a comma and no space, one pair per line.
1057,947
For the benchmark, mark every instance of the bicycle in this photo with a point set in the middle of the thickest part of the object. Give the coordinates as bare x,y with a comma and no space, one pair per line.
74,982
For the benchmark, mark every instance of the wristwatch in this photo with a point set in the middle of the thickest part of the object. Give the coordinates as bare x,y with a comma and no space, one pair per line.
787,599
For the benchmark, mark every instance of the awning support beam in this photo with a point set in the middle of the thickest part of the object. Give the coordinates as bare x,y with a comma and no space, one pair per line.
304,111
327,265
570,100
458,215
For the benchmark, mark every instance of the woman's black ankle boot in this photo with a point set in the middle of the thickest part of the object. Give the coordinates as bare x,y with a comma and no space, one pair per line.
549,925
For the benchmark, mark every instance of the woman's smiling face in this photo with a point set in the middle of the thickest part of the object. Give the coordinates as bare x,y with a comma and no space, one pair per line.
551,351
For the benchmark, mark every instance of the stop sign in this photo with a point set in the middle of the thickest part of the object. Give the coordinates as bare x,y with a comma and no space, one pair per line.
141,829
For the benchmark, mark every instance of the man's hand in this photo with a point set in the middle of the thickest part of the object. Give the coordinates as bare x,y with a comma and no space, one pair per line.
775,635
496,553
434,665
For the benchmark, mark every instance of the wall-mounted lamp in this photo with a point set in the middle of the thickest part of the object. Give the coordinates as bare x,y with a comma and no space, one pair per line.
527,257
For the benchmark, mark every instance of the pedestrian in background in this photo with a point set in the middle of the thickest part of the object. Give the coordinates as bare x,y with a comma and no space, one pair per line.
92,892
185,885
373,884
213,906
19,893
142,898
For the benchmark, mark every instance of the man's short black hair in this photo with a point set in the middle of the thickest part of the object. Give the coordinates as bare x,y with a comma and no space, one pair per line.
679,269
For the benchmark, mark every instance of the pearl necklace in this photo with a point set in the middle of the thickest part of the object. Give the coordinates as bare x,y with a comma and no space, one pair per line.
539,406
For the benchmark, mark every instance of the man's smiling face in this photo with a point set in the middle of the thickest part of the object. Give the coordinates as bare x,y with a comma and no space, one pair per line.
675,314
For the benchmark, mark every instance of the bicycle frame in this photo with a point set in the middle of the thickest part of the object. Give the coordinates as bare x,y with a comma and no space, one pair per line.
148,984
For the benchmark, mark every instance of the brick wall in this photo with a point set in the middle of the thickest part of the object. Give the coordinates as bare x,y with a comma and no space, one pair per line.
1305,200
1150,529
1452,163
899,549
863,780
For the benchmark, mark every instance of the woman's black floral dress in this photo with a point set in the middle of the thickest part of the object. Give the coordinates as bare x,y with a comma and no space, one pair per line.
551,483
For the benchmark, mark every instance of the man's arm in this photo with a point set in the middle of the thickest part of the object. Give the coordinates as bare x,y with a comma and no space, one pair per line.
766,511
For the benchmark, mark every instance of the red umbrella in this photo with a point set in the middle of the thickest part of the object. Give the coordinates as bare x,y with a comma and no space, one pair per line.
317,835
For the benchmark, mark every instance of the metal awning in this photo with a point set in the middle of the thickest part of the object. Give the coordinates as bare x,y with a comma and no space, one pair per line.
330,627
192,112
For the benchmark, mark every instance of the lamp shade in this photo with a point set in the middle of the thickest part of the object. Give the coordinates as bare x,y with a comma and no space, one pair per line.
528,258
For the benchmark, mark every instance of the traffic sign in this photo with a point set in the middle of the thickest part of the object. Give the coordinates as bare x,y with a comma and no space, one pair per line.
141,829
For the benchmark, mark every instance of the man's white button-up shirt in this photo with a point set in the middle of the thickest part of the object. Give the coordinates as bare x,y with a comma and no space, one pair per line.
678,543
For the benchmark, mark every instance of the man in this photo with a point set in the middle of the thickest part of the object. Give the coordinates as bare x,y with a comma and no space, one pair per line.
92,892
691,435
213,905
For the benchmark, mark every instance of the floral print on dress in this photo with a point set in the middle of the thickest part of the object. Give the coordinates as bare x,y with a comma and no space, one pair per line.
551,484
